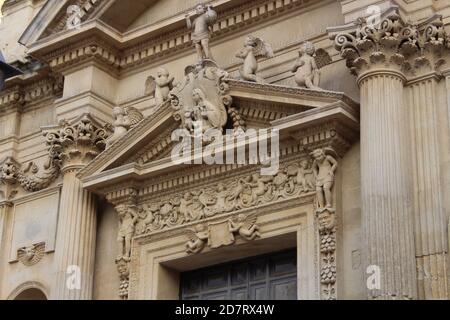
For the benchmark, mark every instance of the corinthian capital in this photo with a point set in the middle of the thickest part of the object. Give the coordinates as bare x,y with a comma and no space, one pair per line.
394,43
77,143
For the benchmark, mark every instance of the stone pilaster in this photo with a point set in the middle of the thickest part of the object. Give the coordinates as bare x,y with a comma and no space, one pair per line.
78,144
374,55
429,212
5,207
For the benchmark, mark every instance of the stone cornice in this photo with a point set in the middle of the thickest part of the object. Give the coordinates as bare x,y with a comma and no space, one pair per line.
124,52
22,93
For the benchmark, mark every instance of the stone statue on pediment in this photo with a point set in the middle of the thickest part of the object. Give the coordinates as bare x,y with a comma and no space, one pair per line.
159,87
254,48
307,66
201,27
124,120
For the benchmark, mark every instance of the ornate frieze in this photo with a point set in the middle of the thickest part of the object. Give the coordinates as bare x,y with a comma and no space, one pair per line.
406,47
230,195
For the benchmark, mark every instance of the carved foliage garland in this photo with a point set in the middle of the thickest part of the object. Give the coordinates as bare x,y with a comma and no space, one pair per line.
406,46
31,177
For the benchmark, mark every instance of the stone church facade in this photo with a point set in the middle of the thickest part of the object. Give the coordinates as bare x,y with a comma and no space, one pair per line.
351,97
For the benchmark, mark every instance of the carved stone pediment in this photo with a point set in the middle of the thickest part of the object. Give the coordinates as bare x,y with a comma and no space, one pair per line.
267,106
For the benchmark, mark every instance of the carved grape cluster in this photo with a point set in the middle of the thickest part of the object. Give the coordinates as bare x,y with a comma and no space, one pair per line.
328,274
328,244
123,289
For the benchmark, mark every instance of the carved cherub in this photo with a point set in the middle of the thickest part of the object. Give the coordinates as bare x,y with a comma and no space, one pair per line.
197,239
305,183
124,120
202,28
253,49
307,66
324,168
185,206
159,87
246,226
127,220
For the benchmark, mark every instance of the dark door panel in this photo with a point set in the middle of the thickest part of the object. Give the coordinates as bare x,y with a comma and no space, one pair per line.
270,277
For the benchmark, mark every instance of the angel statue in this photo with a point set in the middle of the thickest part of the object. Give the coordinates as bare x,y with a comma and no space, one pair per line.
160,87
324,168
246,226
202,28
124,120
197,239
308,65
253,49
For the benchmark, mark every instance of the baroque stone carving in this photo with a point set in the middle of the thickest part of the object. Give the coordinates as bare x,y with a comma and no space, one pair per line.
202,98
79,143
253,49
159,87
218,234
324,168
31,178
123,267
125,119
308,65
127,221
31,255
402,45
231,195
201,29
328,267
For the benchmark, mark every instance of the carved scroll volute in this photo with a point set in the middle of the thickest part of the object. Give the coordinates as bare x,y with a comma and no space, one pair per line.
124,202
324,167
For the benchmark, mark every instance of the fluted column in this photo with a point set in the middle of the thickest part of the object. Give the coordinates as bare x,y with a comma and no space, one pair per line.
374,54
78,143
4,210
430,218
386,184
75,245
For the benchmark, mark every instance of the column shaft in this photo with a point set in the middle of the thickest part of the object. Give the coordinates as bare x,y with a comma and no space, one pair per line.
75,245
430,221
386,184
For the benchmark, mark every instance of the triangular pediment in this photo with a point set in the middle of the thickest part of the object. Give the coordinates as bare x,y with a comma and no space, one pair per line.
290,109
